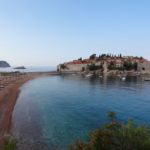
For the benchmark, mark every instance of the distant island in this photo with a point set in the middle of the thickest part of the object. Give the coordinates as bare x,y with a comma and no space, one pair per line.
20,67
4,64
107,63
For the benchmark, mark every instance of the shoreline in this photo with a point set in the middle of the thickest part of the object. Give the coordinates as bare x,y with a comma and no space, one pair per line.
109,73
8,99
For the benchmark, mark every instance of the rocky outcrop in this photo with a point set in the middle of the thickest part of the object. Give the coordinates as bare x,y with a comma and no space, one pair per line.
4,64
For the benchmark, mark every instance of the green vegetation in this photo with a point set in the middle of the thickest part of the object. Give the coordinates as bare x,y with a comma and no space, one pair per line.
126,66
80,59
93,56
109,56
9,143
116,135
112,66
63,66
93,67
130,66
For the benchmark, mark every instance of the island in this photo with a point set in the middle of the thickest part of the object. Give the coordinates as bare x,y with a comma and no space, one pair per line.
4,64
107,64
20,67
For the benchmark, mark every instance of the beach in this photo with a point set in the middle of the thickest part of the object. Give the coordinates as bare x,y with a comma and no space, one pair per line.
9,91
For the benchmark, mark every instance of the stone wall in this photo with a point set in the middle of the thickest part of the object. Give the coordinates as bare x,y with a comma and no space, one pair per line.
144,67
73,67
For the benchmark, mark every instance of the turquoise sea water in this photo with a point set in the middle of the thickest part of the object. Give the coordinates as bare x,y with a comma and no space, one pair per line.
51,112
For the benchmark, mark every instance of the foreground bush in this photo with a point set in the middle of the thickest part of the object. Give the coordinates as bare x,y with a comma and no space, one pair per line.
9,143
115,135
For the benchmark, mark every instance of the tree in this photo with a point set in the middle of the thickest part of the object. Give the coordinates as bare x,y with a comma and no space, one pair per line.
93,67
141,57
127,65
135,66
93,56
111,66
80,59
63,66
130,65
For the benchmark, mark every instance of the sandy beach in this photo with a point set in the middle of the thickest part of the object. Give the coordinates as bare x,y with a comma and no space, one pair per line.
9,91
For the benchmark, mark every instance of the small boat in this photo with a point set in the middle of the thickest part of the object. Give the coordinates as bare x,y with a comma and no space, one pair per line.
89,75
100,76
123,78
147,79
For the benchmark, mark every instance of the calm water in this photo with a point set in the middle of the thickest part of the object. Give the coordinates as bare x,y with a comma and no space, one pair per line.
53,111
28,69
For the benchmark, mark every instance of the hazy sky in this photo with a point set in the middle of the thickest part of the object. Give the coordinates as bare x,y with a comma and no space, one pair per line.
48,32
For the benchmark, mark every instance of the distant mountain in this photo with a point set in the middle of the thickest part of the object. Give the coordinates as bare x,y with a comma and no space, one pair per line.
4,64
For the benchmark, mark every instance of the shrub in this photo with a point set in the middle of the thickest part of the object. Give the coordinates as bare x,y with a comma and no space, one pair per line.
93,67
130,66
115,135
9,143
63,66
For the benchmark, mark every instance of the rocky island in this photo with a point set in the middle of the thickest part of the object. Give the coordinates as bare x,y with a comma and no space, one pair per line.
107,64
4,64
20,67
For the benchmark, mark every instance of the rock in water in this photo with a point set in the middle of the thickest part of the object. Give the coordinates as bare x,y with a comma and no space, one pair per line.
4,64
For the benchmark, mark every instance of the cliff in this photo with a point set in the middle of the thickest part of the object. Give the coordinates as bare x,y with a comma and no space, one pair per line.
4,64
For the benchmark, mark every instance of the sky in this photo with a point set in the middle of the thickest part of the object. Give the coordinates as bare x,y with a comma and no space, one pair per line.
49,32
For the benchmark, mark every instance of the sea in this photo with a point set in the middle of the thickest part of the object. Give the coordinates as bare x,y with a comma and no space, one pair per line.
29,69
54,111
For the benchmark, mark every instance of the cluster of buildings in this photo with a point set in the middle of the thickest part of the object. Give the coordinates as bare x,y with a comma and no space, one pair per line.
104,60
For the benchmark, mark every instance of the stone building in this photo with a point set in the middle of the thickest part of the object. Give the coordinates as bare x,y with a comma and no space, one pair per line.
143,65
71,67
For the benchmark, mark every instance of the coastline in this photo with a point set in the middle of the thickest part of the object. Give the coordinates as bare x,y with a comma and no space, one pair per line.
109,73
8,98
